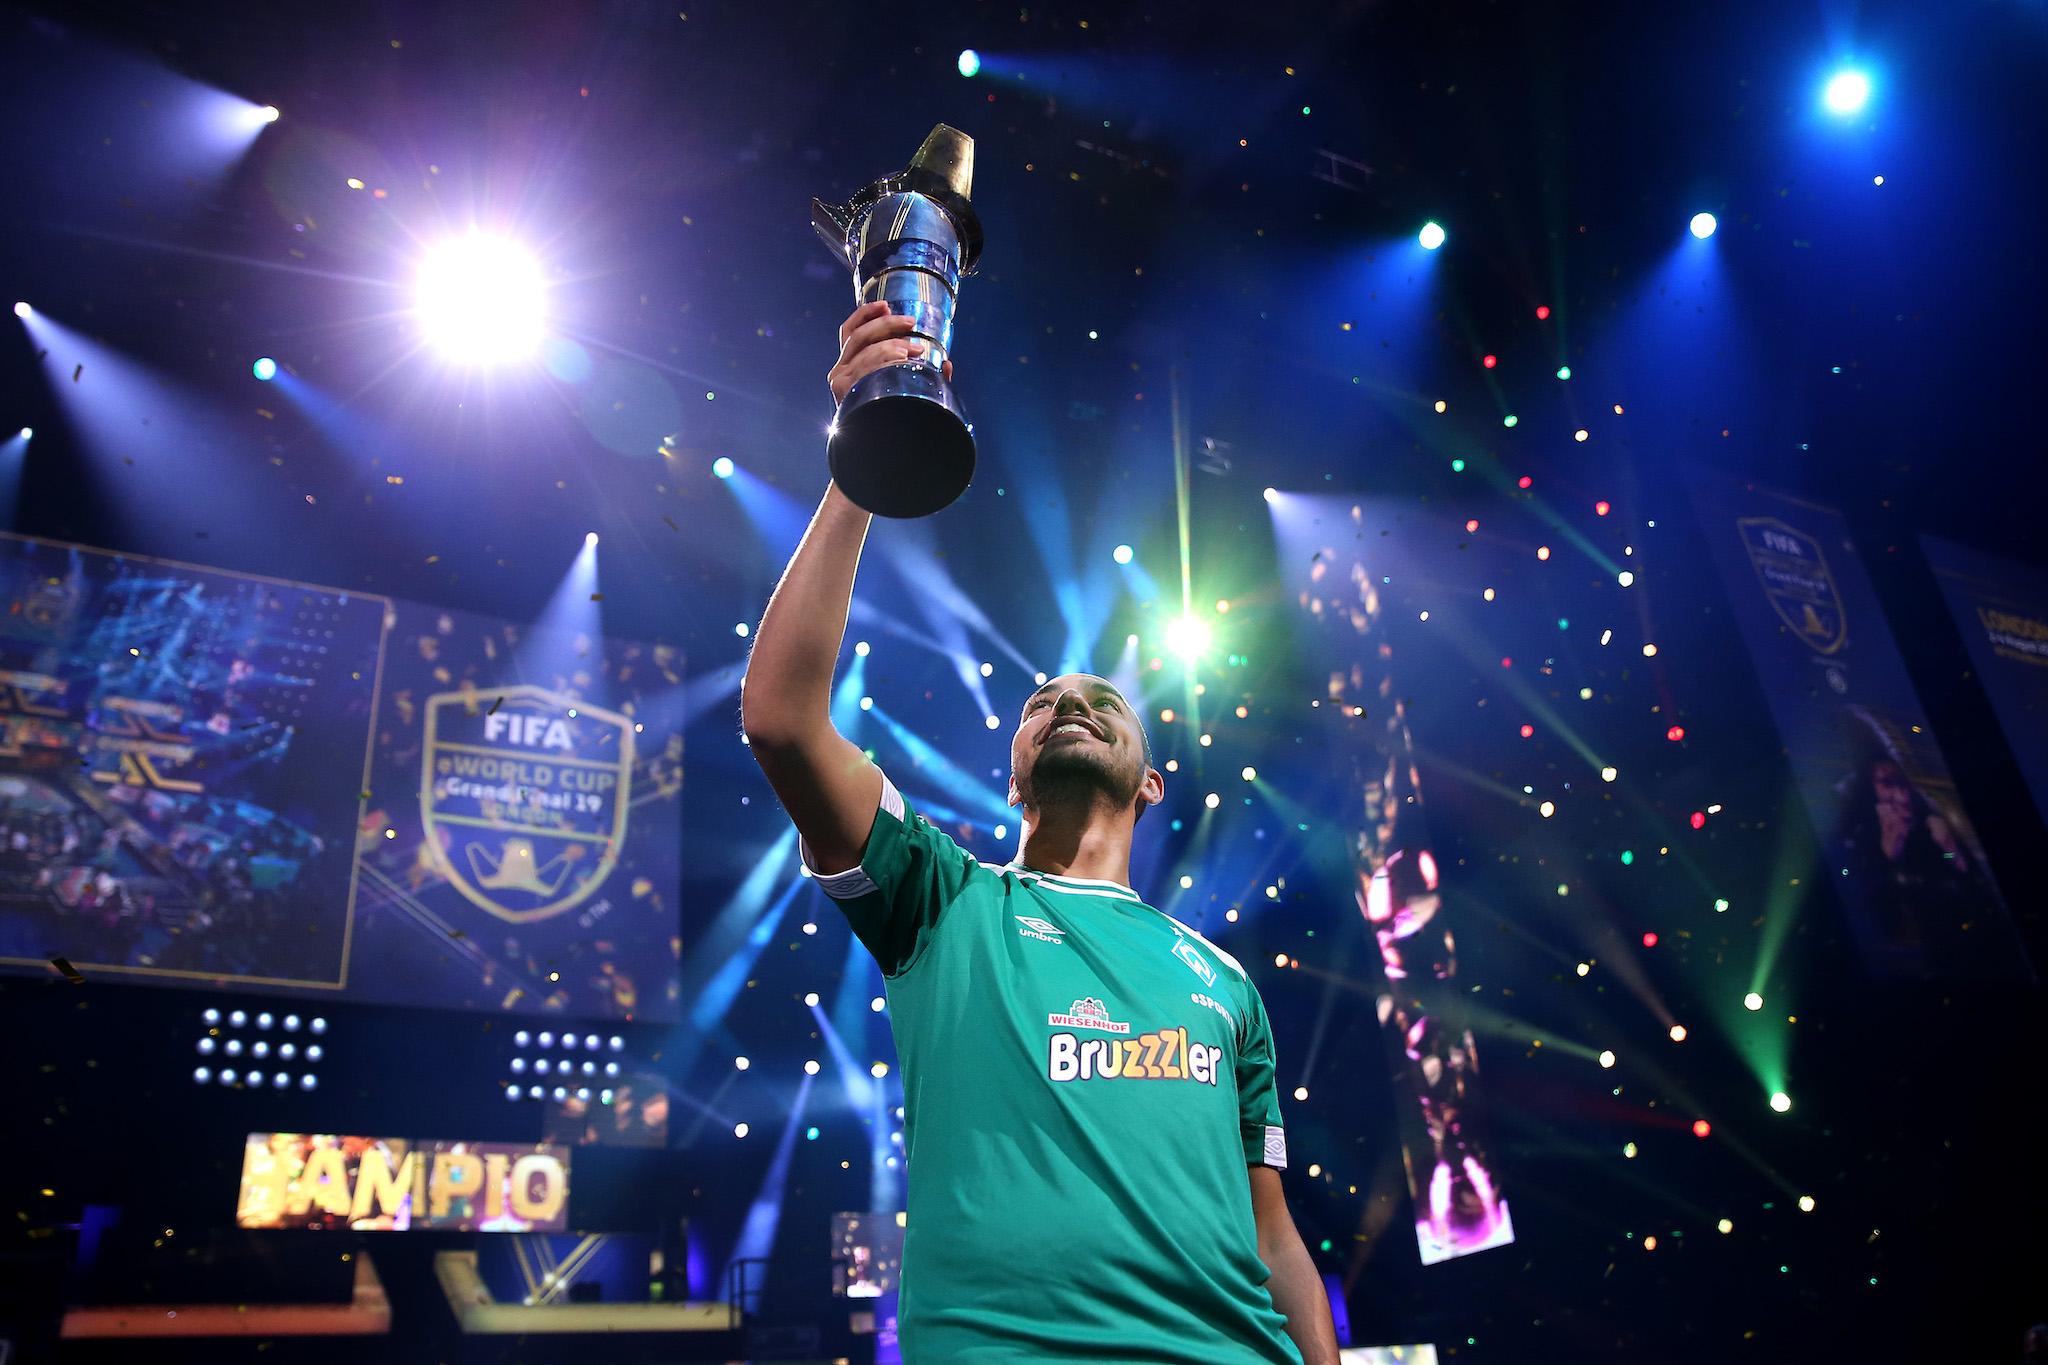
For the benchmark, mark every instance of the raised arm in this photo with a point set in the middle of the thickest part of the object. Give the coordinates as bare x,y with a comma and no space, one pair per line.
828,786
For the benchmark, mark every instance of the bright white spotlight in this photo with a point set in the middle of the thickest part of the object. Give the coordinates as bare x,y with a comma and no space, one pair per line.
1846,92
1271,495
1431,236
1188,637
1122,554
1703,225
268,113
22,310
590,537
481,300
27,433
722,467
970,62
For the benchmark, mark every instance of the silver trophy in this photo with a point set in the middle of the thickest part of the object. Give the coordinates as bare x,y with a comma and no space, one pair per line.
900,446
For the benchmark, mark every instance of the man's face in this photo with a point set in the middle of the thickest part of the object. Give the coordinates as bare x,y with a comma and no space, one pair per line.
1076,740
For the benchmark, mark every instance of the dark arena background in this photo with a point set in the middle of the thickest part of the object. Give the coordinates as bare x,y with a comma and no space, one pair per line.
1559,479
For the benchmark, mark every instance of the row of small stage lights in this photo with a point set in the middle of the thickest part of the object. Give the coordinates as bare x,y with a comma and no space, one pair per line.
211,1044
573,1071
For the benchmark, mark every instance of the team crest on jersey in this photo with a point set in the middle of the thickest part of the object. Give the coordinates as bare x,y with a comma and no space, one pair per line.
1186,952
1043,930
1088,1013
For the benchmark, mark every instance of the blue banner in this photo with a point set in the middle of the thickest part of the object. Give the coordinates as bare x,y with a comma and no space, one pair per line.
1896,841
2001,607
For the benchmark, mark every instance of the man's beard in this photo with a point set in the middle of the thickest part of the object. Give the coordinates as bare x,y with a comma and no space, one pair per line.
1066,777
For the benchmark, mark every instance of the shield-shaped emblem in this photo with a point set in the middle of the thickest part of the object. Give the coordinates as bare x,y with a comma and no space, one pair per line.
1793,571
524,797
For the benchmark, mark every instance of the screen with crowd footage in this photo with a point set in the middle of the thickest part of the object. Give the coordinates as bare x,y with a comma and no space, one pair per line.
218,779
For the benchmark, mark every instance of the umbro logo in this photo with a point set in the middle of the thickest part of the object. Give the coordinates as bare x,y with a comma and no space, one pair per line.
1034,927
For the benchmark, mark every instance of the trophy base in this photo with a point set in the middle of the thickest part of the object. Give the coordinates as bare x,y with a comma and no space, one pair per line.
900,446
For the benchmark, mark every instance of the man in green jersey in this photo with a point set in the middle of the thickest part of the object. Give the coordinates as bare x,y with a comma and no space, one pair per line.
1091,1126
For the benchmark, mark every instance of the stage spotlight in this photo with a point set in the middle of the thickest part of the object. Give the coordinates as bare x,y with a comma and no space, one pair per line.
722,467
264,1020
234,1047
1122,554
1431,236
617,1044
201,1075
237,1019
319,1025
521,1038
27,433
590,537
313,1053
519,1066
268,113
590,1041
264,369
227,1076
206,1046
287,1051
970,62
1703,225
291,1023
1188,638
480,300
1846,92
546,1040
1780,1101
1271,495
512,1093
22,310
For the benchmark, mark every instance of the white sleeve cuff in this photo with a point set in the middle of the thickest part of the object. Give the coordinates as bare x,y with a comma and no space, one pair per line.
854,882
1276,1148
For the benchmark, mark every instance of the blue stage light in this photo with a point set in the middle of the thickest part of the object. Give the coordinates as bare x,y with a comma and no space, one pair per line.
22,310
201,1075
1847,91
264,369
1431,236
970,62
590,537
268,113
1703,225
28,433
1121,554
722,467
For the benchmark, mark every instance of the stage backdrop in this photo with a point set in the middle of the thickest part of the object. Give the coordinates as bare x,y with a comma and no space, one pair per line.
1336,572
2001,607
1896,842
217,779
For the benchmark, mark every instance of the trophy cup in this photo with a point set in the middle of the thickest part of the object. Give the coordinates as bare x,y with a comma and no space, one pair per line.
899,444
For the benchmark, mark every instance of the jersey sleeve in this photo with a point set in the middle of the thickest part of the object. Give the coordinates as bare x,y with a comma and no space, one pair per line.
909,872
1258,1095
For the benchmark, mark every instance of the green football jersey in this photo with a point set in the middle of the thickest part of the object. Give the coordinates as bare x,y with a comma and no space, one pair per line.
1085,1081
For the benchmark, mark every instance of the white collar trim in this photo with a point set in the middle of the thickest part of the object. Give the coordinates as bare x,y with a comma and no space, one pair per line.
1088,886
